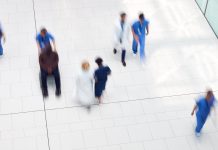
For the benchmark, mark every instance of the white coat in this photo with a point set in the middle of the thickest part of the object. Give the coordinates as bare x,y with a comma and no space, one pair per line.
124,35
84,88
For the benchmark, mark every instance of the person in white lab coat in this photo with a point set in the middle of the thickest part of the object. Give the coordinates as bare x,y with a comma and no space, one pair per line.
122,31
84,86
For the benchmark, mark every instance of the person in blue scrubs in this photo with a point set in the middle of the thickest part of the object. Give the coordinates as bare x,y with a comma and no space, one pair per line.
44,39
140,29
202,108
100,76
2,36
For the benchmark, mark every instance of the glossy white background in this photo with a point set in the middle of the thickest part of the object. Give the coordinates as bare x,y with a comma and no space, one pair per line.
144,108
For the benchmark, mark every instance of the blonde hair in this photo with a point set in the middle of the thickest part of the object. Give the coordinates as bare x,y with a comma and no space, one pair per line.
85,65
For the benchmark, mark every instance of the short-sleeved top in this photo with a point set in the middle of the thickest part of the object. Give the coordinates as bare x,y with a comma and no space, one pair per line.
139,28
101,75
204,106
44,41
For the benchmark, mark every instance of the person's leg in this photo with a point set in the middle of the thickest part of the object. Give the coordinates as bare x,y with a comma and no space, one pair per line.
142,49
123,56
115,47
134,46
200,124
44,75
56,75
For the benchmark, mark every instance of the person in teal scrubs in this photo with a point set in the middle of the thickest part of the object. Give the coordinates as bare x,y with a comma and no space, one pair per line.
140,29
202,108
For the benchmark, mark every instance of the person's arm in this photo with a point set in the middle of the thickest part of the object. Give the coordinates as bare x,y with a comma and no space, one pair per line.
109,71
134,34
95,77
53,41
4,37
39,48
194,109
147,28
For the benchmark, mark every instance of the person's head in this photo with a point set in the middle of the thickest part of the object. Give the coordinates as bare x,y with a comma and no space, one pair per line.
209,95
123,16
43,32
85,66
99,61
141,17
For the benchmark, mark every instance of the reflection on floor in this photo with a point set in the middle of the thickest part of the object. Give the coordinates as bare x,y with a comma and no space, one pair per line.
145,108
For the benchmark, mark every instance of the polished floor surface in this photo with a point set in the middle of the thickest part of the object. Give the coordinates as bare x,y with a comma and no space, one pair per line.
145,108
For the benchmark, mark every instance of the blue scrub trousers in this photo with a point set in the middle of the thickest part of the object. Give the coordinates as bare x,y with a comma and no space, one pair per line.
1,49
200,123
142,47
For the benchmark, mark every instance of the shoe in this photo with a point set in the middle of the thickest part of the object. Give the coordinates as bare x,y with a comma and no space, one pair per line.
115,51
58,92
45,93
124,63
134,55
197,134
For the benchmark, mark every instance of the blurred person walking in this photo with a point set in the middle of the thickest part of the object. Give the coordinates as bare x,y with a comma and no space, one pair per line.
140,29
202,107
2,38
100,76
48,61
84,86
122,31
43,39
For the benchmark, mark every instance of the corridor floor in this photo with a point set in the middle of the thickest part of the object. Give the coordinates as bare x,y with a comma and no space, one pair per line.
144,108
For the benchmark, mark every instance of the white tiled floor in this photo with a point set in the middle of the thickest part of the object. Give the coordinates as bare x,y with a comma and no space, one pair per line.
144,108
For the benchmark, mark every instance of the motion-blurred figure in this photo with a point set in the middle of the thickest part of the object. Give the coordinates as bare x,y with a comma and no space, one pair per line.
122,31
48,61
44,39
84,86
202,108
100,75
140,29
2,36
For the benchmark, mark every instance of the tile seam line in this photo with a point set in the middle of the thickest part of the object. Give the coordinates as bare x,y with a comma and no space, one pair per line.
44,110
131,100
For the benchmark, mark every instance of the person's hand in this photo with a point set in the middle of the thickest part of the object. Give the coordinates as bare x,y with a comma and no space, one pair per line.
147,33
4,39
136,38
192,113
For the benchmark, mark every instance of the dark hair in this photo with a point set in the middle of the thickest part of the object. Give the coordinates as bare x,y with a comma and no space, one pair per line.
43,30
99,60
141,16
122,14
210,93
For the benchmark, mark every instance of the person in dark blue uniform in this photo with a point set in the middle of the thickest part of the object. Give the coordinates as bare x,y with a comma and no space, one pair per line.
100,75
203,107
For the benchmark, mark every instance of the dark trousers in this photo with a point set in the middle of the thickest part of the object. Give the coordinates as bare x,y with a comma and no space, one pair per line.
55,73
123,55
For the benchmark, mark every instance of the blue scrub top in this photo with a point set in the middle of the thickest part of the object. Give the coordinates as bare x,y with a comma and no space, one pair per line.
204,107
139,28
43,41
